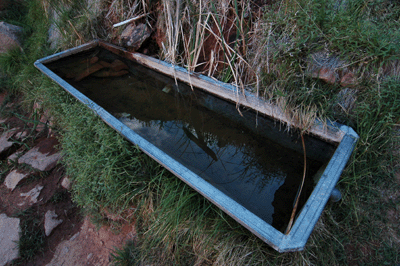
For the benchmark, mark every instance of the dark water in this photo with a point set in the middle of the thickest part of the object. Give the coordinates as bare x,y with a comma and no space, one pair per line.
248,157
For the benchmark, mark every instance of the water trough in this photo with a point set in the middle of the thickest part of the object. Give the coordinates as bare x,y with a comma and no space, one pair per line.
231,147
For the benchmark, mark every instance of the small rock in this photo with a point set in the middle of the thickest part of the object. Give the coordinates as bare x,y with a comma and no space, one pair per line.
4,143
42,123
21,135
9,36
50,222
14,157
66,183
33,194
328,75
43,156
46,120
134,36
9,237
74,236
13,179
89,256
322,65
348,80
65,250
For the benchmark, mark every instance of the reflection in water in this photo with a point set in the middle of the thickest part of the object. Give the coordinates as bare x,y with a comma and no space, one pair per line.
204,134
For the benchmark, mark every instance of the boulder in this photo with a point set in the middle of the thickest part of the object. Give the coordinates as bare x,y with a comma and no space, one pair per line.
134,36
9,237
10,36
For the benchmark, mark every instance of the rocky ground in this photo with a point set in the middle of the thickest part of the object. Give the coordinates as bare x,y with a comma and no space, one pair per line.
34,192
34,184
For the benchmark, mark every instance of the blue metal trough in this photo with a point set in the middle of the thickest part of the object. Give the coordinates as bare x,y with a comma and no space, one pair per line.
343,136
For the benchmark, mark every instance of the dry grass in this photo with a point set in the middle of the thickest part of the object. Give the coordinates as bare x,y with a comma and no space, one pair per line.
122,10
173,25
210,37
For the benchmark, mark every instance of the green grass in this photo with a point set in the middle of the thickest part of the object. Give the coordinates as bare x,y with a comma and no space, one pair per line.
16,13
4,170
177,226
32,237
125,256
59,196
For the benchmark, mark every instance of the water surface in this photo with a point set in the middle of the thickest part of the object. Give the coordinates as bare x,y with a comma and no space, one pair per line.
236,152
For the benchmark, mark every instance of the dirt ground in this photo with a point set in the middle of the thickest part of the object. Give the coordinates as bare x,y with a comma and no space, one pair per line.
90,246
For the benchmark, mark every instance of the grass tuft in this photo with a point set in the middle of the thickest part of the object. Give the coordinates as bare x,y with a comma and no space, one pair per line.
32,237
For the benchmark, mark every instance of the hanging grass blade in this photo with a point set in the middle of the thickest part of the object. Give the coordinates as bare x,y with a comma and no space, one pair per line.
289,227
